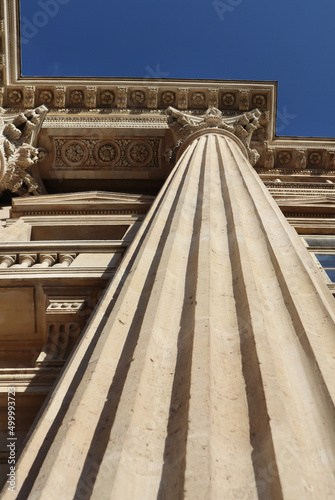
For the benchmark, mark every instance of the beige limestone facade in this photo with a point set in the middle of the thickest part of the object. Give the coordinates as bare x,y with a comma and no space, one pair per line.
167,271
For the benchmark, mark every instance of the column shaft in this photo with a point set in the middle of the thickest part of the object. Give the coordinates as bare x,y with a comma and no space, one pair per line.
208,370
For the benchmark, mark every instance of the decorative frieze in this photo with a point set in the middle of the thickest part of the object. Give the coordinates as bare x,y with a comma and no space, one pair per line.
116,153
121,97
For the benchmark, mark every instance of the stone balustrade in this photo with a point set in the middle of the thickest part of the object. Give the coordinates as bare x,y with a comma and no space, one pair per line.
35,261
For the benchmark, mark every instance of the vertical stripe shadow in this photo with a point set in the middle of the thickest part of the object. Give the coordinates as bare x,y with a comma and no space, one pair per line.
263,454
77,379
173,474
102,433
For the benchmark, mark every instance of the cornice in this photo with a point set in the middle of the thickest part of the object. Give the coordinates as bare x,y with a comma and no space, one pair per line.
141,103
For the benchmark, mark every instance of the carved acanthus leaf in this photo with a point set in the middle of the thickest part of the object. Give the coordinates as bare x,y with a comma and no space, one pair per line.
18,138
184,124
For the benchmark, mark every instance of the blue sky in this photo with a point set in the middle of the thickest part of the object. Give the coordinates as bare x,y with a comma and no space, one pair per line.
291,42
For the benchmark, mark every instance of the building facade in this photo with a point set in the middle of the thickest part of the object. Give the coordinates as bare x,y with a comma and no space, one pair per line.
167,269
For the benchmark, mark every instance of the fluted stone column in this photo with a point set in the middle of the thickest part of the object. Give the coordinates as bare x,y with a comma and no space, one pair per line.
208,370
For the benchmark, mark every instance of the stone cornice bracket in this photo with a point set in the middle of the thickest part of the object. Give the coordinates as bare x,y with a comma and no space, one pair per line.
183,125
18,152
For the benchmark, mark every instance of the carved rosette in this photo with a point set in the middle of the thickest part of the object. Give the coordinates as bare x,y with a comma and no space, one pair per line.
184,124
139,153
18,152
168,97
107,98
75,153
46,96
107,153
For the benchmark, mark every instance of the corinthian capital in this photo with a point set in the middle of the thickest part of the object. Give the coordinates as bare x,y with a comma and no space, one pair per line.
183,125
18,152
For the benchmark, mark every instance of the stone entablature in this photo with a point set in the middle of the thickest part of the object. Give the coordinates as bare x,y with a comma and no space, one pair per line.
138,94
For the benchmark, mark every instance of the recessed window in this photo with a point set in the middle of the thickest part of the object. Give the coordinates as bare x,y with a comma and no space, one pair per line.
322,250
327,262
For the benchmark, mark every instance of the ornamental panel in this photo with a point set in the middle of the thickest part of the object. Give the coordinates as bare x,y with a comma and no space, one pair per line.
114,153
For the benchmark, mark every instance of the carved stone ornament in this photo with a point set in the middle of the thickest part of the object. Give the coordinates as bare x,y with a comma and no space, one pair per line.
259,100
198,98
107,97
284,157
269,158
18,136
301,158
184,124
137,97
228,99
15,96
168,97
315,158
139,153
46,96
76,96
